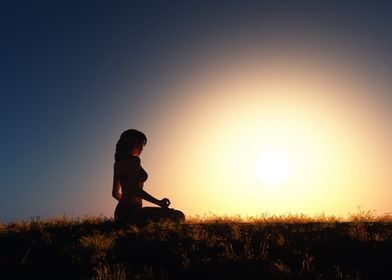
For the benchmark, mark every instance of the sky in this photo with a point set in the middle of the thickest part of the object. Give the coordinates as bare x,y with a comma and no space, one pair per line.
216,86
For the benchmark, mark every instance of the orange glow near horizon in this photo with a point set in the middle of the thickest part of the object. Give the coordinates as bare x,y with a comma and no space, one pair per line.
203,148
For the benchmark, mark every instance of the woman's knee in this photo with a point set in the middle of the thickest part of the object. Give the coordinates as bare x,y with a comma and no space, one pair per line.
157,214
177,215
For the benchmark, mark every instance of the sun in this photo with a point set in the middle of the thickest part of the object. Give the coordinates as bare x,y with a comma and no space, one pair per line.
273,167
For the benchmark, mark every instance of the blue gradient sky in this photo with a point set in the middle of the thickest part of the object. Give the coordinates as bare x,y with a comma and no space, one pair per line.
75,74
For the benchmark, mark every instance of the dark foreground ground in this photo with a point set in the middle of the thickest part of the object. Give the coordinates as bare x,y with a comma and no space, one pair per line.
99,249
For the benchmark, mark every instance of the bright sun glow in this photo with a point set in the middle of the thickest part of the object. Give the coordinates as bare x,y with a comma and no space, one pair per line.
272,167
270,132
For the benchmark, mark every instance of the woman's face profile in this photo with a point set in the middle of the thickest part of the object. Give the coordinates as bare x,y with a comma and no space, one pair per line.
137,149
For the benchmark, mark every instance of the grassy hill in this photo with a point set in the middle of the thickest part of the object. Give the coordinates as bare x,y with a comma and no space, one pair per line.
275,247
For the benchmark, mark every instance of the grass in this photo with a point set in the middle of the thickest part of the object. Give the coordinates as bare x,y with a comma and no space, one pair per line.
292,246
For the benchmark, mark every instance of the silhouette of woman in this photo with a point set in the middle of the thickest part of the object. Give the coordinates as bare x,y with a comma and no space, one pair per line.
128,181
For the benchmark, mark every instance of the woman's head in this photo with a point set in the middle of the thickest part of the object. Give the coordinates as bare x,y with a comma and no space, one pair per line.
131,142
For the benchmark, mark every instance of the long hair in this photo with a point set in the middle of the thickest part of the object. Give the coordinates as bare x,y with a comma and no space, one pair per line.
128,139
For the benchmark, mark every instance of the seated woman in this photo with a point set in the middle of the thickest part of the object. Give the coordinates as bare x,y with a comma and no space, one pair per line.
128,181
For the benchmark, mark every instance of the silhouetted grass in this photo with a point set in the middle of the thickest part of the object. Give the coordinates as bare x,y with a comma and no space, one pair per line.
213,247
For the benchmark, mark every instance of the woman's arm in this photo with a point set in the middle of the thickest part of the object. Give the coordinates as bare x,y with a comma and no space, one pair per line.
164,203
116,191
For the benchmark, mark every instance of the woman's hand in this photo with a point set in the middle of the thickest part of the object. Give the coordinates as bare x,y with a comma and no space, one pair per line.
164,203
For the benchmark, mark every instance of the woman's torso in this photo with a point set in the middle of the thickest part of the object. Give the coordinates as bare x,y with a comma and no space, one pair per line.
131,175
